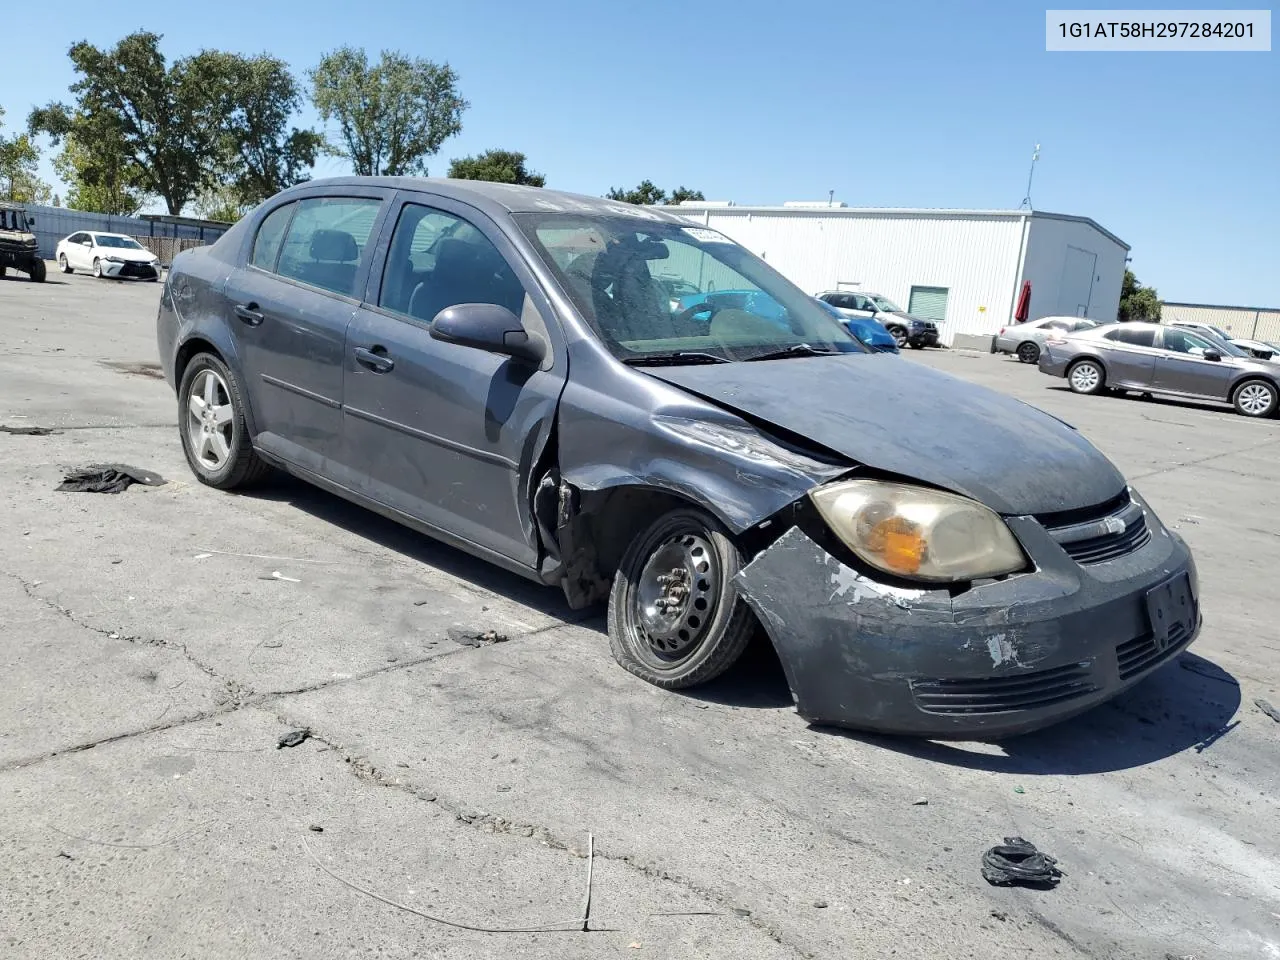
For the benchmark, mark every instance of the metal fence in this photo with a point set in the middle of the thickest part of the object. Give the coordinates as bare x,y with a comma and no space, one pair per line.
165,240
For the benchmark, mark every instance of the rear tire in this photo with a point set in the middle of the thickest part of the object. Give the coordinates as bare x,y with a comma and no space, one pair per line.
1255,398
1028,352
1087,377
675,617
217,447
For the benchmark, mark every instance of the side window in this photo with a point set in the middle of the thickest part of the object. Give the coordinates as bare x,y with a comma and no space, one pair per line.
266,245
1082,325
1181,341
1138,338
1053,325
437,260
325,241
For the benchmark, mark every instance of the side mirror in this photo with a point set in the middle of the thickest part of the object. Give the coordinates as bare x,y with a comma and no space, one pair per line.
488,327
1212,355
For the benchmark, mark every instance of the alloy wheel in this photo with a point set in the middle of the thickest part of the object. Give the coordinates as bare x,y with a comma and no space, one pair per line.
1085,378
1255,399
210,419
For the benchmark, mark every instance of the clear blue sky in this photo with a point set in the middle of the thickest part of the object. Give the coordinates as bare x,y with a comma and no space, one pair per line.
888,104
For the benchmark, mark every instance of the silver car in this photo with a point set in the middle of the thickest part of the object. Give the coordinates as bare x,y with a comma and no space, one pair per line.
1166,360
1026,340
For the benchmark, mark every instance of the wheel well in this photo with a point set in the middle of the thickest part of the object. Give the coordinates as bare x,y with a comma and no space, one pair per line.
1253,378
187,351
1028,343
1094,360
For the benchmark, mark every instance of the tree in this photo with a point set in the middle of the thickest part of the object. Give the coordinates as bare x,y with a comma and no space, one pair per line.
680,194
157,125
261,153
19,158
392,115
1138,302
496,166
223,202
643,194
96,185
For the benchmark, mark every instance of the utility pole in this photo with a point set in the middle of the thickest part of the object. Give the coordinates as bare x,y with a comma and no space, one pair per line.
1026,201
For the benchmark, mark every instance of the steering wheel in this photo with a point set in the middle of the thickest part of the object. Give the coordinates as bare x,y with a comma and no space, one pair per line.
684,318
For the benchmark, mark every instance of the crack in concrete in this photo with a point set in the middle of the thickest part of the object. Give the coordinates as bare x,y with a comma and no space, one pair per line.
1202,460
363,769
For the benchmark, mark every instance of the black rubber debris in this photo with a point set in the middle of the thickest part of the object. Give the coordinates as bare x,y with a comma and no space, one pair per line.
472,638
27,431
1268,709
108,478
293,738
1018,863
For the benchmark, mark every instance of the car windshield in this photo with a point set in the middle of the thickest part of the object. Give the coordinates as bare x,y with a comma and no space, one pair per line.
12,220
885,304
123,243
622,273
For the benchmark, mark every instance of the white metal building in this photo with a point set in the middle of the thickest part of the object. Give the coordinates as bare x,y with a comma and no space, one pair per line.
963,268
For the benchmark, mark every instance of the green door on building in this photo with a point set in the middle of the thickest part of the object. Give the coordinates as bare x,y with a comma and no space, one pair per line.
928,303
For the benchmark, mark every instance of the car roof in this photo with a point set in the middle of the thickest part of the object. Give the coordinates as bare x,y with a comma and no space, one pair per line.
501,197
104,233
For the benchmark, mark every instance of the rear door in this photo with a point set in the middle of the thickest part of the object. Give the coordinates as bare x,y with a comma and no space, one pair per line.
1181,366
1131,356
445,433
290,305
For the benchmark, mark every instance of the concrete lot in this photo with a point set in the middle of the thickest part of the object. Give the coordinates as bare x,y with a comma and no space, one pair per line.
151,661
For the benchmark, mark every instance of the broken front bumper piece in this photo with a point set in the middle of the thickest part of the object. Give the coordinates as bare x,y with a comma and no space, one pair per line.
999,659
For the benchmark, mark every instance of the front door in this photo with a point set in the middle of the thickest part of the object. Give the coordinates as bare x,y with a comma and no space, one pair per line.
289,309
1181,366
445,433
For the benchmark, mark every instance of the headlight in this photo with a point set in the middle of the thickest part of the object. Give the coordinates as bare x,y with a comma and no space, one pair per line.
917,533
115,260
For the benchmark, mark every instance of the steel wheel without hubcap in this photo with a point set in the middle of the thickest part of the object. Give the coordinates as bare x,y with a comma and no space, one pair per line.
1255,399
1029,353
210,419
1086,377
675,618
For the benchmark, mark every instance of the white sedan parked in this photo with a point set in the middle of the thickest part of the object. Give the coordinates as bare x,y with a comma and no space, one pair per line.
107,255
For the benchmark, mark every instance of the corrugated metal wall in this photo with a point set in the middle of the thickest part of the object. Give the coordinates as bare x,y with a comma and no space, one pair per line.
54,223
974,258
1243,323
1074,270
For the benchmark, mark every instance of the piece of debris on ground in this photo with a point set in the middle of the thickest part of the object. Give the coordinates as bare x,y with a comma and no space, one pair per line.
138,368
293,738
472,638
108,478
1268,709
1016,862
27,431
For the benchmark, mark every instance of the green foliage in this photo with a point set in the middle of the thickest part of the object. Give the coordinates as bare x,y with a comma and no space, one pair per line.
1138,302
223,203
680,194
496,166
261,153
391,115
18,160
96,184
157,124
645,193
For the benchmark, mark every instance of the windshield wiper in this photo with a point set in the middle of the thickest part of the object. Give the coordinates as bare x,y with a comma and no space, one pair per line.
674,359
796,350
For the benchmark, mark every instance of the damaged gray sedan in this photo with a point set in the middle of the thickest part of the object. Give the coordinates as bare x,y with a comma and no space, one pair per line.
505,369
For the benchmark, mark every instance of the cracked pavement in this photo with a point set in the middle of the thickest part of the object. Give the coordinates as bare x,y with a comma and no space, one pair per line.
152,658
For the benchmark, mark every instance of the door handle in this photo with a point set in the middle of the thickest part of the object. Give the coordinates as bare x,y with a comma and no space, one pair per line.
375,358
248,312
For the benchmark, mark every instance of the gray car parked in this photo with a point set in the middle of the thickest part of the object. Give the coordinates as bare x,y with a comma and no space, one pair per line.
1166,360
504,368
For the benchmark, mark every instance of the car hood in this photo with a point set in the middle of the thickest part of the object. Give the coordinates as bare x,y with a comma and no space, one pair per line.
140,256
895,415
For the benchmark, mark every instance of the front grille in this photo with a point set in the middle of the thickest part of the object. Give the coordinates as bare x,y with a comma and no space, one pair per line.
1116,530
1022,691
131,269
1142,653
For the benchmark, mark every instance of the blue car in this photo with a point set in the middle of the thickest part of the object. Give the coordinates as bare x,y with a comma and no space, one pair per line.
870,332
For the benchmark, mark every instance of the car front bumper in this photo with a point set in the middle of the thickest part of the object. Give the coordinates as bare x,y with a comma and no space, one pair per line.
1000,659
129,270
923,338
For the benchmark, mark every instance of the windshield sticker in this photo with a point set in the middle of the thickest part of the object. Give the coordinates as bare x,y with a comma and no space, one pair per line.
706,235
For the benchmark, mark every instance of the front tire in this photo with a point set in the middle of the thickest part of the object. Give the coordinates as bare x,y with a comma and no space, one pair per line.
1029,352
215,435
37,271
1087,377
675,617
899,335
1255,398
63,265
